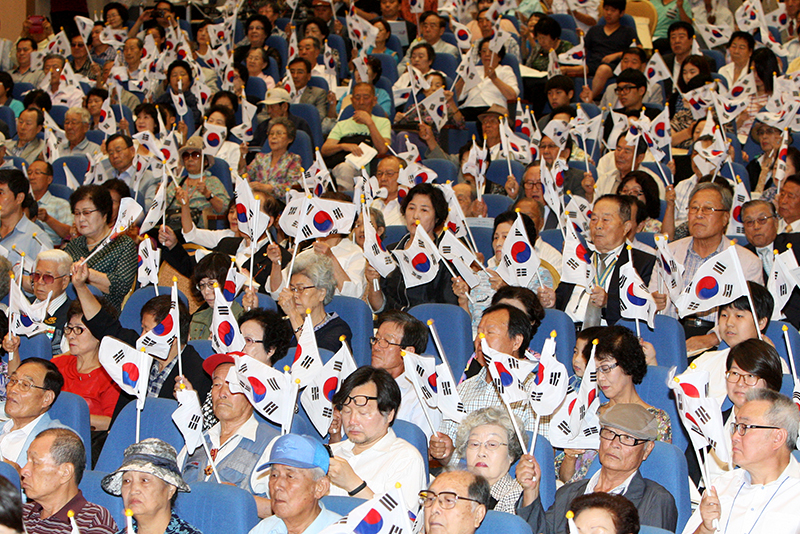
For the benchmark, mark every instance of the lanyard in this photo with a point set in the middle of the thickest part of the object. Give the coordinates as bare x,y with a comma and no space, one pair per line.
733,505
600,278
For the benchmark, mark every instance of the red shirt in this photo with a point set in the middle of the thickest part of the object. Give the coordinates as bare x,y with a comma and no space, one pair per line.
96,387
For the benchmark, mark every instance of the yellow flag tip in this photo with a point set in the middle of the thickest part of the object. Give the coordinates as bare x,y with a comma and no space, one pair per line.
482,335
430,322
342,338
775,252
308,311
516,210
286,368
784,328
733,242
553,333
402,353
416,222
570,514
595,341
397,485
128,512
629,247
676,379
693,366
296,380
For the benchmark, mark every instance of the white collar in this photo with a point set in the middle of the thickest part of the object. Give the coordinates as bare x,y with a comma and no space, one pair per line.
622,489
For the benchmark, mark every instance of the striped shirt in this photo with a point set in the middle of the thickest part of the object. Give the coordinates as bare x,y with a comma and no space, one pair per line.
91,518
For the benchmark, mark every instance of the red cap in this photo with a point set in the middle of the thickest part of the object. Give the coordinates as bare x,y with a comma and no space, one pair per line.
214,361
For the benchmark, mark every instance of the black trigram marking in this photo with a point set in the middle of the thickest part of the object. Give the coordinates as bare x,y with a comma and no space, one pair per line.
622,280
243,368
728,290
593,376
702,415
517,233
555,378
119,356
622,305
376,249
581,412
223,310
292,211
537,396
446,388
337,365
395,530
513,363
693,306
306,231
244,385
273,384
719,267
315,393
307,362
522,271
573,264
447,250
589,432
740,198
420,371
194,422
460,408
388,502
147,342
564,428
270,408
506,260
327,411
337,213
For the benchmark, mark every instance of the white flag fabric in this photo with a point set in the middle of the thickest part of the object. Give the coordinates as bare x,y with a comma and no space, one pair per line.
740,196
513,146
179,101
85,27
743,87
188,417
699,99
51,152
383,514
328,60
225,334
557,131
72,183
436,106
550,381
635,300
234,281
519,261
574,56
307,362
714,36
317,178
578,213
780,167
128,367
421,371
155,215
782,281
307,218
717,282
588,400
266,388
213,137
26,319
248,209
468,71
460,256
656,70
158,341
671,270
149,260
508,373
244,131
414,174
456,222
129,212
576,265
374,251
108,122
420,262
561,434
449,401
463,36
317,398
619,123
553,68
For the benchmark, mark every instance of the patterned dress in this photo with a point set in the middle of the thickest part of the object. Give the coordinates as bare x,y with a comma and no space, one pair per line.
117,261
176,526
197,202
284,175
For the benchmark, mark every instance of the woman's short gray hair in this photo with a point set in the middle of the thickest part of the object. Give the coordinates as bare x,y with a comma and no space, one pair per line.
781,413
489,416
319,269
291,129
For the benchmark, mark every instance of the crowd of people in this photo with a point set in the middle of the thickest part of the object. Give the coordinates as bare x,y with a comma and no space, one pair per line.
257,90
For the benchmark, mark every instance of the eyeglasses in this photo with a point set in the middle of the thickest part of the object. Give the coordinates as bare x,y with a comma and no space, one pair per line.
77,330
629,441
23,385
447,499
633,192
84,213
605,369
202,286
251,341
276,133
385,173
45,278
741,428
705,210
734,377
624,89
300,289
474,444
358,400
382,342
192,155
750,223
531,185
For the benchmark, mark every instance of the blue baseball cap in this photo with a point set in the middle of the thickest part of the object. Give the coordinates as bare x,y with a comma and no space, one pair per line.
299,451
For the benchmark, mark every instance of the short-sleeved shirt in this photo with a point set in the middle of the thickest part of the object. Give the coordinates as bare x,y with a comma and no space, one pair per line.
599,45
96,387
90,518
350,127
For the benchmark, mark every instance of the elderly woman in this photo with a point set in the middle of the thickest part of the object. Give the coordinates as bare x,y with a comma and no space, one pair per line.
765,66
421,58
605,512
426,205
257,61
487,441
384,32
278,169
199,190
498,83
740,48
621,365
115,15
113,269
149,481
211,270
179,83
642,186
761,169
83,374
312,287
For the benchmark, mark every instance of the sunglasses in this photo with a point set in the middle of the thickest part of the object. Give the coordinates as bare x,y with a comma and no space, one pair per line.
192,155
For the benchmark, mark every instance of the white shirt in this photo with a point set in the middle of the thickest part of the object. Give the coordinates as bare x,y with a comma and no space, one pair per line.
486,92
790,228
576,307
12,441
619,490
391,212
229,152
411,410
319,71
350,257
715,363
389,461
71,97
608,177
748,508
206,238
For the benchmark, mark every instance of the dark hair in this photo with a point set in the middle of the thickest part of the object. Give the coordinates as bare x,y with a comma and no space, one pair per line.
758,358
519,324
415,333
8,83
793,154
622,345
500,53
511,216
67,448
106,308
436,197
377,67
765,63
179,63
702,65
636,51
588,334
214,266
314,42
273,206
616,4
649,188
681,25
230,119
744,36
121,10
547,26
15,180
385,24
10,506
427,14
479,489
634,76
762,302
30,40
115,184
257,18
114,137
306,63
161,31
565,83
53,379
98,92
387,390
428,50
98,195
622,511
321,24
224,94
242,71
159,307
36,101
529,300
151,111
277,331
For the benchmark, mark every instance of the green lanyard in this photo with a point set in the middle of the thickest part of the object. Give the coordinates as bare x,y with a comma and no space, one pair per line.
600,278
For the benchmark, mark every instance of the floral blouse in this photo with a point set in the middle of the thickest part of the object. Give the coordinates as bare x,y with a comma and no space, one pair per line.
197,202
285,174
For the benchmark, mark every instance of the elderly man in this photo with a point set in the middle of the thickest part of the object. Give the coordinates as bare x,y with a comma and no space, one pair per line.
300,71
789,205
610,224
258,28
627,433
16,231
532,181
431,29
372,460
56,461
132,55
119,164
276,104
760,221
709,214
455,503
24,73
55,215
363,125
76,124
507,329
27,145
298,469
397,332
60,94
32,389
614,165
309,49
767,483
387,174
239,438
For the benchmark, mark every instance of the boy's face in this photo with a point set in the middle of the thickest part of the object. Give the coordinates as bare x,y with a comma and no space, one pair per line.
558,98
578,363
612,14
736,326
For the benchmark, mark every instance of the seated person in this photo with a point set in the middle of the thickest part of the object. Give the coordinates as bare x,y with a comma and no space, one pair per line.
76,123
277,170
55,215
497,86
631,88
761,169
17,235
431,29
599,511
300,70
632,58
27,145
60,93
449,490
605,44
627,432
276,104
643,187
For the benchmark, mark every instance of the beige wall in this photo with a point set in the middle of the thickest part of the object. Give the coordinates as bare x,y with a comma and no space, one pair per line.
13,13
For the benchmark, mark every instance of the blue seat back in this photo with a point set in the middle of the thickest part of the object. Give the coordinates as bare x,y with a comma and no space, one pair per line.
393,234
347,112
483,240
738,169
17,162
37,346
130,316
358,316
311,115
300,146
454,326
217,508
565,335
264,301
96,136
496,522
446,63
289,358
73,411
444,168
393,43
336,42
565,20
93,492
497,171
203,347
662,172
667,338
156,423
60,191
497,204
384,83
388,66
20,88
415,436
256,87
340,504
187,27
319,81
58,113
775,333
570,36
511,61
282,46
554,238
716,56
10,474
648,238
222,171
128,115
78,166
7,115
